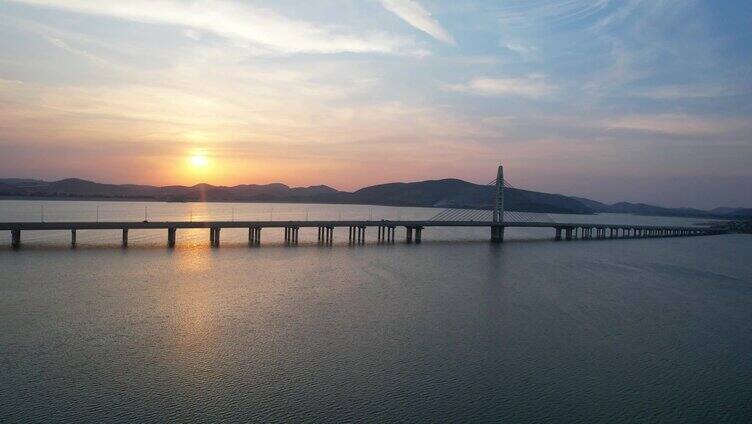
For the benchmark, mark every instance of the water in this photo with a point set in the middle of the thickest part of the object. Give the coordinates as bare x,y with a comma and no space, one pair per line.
454,329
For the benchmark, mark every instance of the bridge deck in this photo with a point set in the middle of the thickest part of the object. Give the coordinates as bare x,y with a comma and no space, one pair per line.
357,229
131,225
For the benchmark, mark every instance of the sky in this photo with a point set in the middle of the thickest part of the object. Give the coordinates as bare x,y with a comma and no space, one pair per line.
615,100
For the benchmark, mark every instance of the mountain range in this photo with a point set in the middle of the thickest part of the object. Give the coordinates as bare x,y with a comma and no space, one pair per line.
446,193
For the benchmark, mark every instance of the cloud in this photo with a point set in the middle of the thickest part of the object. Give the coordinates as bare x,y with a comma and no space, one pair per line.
675,124
239,22
675,92
414,14
526,13
532,86
524,50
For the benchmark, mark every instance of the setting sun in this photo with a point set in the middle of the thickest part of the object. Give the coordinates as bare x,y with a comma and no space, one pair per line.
198,160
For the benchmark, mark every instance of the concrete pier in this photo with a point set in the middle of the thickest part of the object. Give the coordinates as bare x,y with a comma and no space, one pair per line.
125,237
291,235
385,234
408,235
73,239
171,233
254,236
497,233
214,236
15,239
326,235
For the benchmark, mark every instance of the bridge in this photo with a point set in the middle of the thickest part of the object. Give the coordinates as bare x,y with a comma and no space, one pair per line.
497,222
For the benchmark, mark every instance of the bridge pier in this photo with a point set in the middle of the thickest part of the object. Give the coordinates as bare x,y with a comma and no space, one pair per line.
214,236
291,235
357,235
254,236
418,233
558,234
125,237
568,234
73,239
326,234
408,235
15,238
171,237
383,234
497,233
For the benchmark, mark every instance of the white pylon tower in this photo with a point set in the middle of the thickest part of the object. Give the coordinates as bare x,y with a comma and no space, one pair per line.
497,230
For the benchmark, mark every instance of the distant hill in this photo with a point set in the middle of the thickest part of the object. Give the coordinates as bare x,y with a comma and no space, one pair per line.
645,209
436,193
453,193
446,193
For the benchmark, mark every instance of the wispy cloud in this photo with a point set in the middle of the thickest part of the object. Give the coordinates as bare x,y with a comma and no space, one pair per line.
675,124
676,92
526,12
416,15
532,86
240,22
525,51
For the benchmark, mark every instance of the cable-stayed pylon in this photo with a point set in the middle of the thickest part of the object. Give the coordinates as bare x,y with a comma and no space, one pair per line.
486,215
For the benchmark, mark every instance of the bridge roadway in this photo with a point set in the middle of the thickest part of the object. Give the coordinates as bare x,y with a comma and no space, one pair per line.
357,229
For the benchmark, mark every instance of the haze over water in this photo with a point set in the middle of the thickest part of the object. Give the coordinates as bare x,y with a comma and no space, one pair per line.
453,329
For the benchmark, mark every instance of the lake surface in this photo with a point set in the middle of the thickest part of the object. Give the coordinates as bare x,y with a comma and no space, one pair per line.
454,329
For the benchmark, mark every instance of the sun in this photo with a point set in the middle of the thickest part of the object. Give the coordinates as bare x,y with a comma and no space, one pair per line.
198,160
